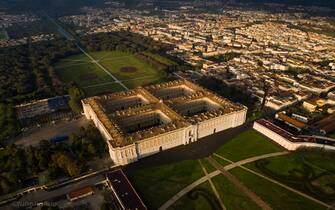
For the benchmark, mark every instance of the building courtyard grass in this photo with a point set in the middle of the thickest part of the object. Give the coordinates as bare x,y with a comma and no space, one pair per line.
126,67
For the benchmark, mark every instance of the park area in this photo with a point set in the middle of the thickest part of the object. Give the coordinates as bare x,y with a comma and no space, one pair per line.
284,180
97,75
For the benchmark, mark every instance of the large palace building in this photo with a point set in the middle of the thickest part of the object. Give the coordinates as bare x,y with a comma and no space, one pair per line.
144,121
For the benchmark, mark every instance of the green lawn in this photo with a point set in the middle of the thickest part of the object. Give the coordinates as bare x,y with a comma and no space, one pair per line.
230,195
209,168
312,172
220,160
94,80
158,184
277,197
247,144
200,198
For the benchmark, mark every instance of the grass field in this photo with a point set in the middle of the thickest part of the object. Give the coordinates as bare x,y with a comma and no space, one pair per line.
231,196
312,172
200,198
247,144
276,196
316,178
158,184
124,66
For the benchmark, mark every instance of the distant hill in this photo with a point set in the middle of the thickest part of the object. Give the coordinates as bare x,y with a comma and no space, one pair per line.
320,3
51,5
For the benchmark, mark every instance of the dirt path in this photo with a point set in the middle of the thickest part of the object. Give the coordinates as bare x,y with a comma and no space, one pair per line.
212,186
240,185
203,179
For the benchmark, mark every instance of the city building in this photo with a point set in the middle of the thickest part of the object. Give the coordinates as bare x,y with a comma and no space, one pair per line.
41,107
290,141
80,193
145,121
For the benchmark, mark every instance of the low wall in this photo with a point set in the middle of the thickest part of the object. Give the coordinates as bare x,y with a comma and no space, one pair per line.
287,144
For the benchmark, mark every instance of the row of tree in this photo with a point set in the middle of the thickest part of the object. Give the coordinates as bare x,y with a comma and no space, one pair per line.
123,41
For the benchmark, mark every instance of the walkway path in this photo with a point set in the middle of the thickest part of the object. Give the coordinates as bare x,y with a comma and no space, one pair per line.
101,67
188,188
278,183
70,37
239,185
212,186
249,160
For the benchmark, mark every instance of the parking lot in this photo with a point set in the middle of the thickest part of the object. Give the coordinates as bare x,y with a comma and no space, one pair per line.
33,136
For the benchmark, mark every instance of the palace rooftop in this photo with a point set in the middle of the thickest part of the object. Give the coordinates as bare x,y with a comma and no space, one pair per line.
142,113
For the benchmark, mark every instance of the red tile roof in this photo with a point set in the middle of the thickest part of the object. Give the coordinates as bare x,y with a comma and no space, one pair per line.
285,134
291,121
80,192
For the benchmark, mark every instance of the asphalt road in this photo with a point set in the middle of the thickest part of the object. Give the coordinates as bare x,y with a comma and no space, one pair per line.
34,135
43,195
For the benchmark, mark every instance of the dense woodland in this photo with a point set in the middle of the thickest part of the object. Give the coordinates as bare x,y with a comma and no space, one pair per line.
26,71
49,161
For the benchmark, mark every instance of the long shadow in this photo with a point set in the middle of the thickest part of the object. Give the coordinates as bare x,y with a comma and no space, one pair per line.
200,149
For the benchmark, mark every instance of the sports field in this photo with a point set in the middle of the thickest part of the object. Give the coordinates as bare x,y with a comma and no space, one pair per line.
128,69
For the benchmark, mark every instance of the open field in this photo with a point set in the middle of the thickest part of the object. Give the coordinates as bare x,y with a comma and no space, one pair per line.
247,144
201,197
276,196
124,66
311,172
231,196
158,184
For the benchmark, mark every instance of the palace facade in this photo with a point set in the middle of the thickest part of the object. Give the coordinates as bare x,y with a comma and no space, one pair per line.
147,120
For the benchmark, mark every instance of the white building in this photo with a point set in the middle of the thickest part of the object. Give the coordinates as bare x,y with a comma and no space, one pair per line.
289,141
144,121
